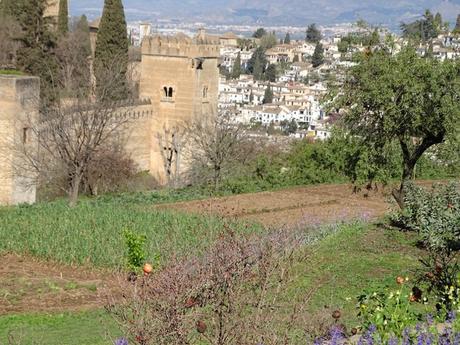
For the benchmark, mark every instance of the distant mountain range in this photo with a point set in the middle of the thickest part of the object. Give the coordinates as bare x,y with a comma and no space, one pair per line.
276,12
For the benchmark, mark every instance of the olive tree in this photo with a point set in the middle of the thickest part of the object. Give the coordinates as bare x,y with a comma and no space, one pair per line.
406,99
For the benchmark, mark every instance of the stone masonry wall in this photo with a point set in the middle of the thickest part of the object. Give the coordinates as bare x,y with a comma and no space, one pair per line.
18,106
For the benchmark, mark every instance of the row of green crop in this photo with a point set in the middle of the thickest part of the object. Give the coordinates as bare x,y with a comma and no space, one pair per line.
92,232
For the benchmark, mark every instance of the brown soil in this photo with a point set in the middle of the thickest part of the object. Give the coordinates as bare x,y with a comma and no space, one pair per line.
28,285
303,205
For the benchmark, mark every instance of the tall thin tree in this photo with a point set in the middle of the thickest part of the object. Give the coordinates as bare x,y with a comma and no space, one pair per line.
63,17
112,44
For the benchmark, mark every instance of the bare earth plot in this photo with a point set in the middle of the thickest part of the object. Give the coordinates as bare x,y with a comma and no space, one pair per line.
304,205
27,285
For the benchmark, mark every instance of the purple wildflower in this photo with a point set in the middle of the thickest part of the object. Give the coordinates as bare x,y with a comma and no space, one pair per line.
336,335
393,341
421,339
451,317
456,339
429,319
429,340
318,341
121,341
406,337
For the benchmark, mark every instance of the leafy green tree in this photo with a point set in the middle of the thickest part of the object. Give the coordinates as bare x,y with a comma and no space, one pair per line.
260,32
268,96
374,38
287,38
36,53
63,17
318,56
270,73
423,29
268,41
257,63
403,99
343,46
313,35
236,71
112,47
291,127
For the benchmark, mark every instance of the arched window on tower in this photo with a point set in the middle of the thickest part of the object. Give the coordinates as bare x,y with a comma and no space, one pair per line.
168,93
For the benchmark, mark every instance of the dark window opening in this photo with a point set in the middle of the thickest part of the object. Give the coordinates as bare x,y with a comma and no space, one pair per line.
170,92
25,135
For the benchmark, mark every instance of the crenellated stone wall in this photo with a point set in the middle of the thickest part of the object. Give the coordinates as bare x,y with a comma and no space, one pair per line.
180,76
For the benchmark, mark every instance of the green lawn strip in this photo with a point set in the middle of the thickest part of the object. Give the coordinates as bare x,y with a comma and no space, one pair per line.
91,233
82,328
357,258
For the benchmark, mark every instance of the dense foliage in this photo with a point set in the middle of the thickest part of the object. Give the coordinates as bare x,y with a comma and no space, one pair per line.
63,17
403,99
112,46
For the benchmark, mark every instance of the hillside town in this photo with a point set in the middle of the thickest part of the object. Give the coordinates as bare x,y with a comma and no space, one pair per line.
296,86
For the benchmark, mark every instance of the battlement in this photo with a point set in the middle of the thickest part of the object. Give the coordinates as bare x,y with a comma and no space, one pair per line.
181,45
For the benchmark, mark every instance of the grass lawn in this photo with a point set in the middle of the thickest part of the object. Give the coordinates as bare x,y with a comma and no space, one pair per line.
85,328
360,257
340,266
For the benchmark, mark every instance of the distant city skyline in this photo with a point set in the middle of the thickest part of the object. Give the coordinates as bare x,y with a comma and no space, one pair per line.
270,12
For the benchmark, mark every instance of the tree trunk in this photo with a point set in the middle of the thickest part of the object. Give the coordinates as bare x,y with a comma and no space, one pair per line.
400,194
410,159
74,189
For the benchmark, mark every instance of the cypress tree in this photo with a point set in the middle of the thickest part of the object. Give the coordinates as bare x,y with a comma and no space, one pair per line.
318,56
270,73
236,71
10,8
36,54
457,25
438,22
313,35
63,17
112,47
287,39
82,28
268,96
257,69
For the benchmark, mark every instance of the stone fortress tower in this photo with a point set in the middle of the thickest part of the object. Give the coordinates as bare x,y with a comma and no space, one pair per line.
18,107
180,76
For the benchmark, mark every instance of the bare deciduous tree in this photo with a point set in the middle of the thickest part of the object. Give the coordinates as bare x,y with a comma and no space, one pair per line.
71,135
213,145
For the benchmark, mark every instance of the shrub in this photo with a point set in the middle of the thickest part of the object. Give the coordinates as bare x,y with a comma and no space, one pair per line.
434,214
135,256
390,311
441,272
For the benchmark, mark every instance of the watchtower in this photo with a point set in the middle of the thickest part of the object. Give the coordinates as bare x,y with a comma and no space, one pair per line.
19,97
180,76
